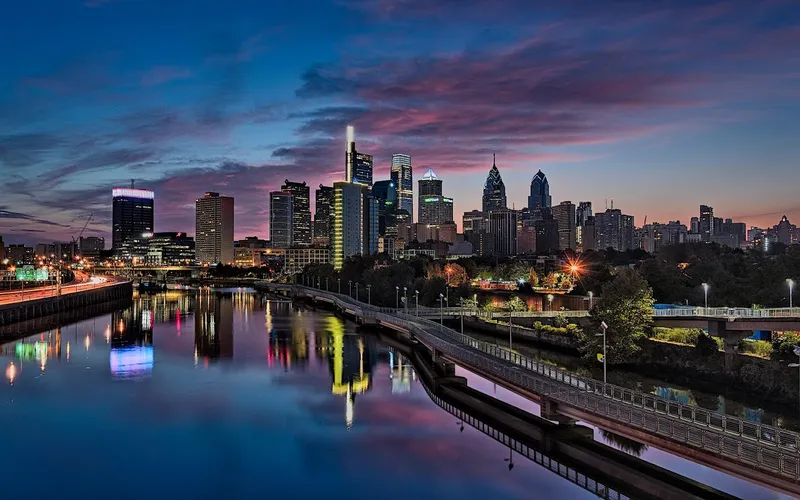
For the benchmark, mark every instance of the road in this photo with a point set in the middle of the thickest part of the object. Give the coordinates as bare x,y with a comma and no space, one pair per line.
82,282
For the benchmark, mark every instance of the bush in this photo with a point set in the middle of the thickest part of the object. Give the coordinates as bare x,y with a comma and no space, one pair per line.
560,321
570,330
687,336
758,348
706,344
783,347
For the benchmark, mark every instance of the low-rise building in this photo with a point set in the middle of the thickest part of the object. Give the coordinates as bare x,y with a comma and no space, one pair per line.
298,258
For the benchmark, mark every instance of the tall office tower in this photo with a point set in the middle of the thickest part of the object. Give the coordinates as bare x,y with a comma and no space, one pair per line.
589,235
358,166
546,229
628,229
694,225
323,216
503,232
614,230
348,230
474,222
214,229
281,219
301,212
706,223
564,213
539,200
401,175
385,193
785,231
494,191
132,215
582,214
370,223
433,207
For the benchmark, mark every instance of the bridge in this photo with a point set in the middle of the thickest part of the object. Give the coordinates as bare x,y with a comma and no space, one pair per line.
758,452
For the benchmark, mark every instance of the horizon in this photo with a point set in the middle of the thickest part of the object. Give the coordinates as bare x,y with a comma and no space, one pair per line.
660,108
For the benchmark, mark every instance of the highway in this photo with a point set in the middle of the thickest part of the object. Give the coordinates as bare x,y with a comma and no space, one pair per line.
83,281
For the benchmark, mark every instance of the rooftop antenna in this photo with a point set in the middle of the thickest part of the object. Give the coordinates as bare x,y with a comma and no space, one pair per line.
612,203
133,183
606,203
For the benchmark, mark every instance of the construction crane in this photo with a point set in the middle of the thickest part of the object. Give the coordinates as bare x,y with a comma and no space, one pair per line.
80,235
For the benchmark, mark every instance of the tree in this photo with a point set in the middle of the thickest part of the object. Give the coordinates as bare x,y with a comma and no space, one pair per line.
626,306
533,278
455,275
550,281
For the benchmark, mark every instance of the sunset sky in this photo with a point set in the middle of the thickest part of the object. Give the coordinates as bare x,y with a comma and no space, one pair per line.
661,106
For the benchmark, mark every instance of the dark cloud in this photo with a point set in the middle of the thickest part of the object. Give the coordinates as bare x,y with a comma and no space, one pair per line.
6,214
23,150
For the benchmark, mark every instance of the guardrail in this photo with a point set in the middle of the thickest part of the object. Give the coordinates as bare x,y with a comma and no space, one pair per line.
728,312
767,447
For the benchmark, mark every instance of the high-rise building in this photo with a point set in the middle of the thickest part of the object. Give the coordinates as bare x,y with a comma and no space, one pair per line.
323,215
385,193
706,223
281,219
347,234
214,229
301,212
539,198
526,236
583,212
90,246
614,230
588,242
694,225
503,232
132,215
546,228
474,222
358,166
401,175
729,233
786,232
494,191
564,213
433,207
371,223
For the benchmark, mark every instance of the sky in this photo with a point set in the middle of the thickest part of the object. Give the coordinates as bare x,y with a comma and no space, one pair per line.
658,105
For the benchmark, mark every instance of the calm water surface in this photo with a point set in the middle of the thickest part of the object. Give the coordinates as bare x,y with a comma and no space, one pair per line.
226,395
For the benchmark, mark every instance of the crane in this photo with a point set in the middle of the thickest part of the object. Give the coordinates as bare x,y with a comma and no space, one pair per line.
80,235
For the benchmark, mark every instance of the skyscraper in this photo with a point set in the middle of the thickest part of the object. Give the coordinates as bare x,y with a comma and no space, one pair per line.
540,193
358,166
613,229
281,219
385,193
323,216
433,207
401,175
706,223
503,232
132,215
582,214
564,213
214,229
494,191
348,231
301,212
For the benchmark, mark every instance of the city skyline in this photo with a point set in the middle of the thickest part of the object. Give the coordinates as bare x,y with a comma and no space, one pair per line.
598,99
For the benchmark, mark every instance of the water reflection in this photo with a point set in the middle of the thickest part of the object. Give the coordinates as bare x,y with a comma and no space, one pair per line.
213,327
131,342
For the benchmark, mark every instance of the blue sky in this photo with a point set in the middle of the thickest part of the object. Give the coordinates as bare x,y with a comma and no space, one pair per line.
661,106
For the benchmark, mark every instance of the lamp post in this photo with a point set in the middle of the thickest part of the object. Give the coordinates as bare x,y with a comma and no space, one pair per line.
441,308
604,326
397,297
357,296
326,283
350,288
510,321
339,283
591,296
790,282
705,293
462,315
405,299
416,301
369,295
550,301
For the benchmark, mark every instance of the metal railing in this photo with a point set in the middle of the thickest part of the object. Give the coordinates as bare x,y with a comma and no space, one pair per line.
767,447
728,312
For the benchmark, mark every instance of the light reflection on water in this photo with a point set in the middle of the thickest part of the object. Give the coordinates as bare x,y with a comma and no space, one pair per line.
221,395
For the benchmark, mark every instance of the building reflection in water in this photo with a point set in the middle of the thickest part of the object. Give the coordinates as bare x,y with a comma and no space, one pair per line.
213,327
351,361
131,354
401,372
290,348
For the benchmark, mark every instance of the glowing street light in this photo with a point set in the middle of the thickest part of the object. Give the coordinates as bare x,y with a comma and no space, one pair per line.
550,300
790,282
397,297
705,291
591,296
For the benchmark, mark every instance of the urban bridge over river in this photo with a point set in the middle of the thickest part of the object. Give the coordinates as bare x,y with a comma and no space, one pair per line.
760,453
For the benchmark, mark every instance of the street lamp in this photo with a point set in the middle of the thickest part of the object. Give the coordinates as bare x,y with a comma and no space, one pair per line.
705,292
416,301
790,282
405,299
591,296
441,308
326,283
339,282
397,297
550,300
350,288
357,296
604,326
369,295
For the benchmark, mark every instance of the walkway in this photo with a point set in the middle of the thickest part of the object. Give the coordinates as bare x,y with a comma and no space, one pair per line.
728,443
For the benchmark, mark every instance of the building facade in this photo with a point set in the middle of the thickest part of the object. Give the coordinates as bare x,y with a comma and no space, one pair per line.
91,246
433,207
494,190
348,231
539,199
706,223
214,229
615,230
565,214
385,193
281,219
503,232
358,166
299,258
132,215
171,249
301,212
323,215
402,177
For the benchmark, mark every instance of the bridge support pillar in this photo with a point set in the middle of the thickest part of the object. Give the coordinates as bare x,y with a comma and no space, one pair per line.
731,338
549,411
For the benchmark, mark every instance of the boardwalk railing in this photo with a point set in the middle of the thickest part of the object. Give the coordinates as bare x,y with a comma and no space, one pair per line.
766,447
728,312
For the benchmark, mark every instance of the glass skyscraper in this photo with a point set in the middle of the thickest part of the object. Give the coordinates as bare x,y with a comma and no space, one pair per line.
401,176
214,229
281,219
540,193
494,190
301,216
132,216
358,166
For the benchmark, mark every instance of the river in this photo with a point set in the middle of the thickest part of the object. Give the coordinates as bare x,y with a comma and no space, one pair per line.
228,395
